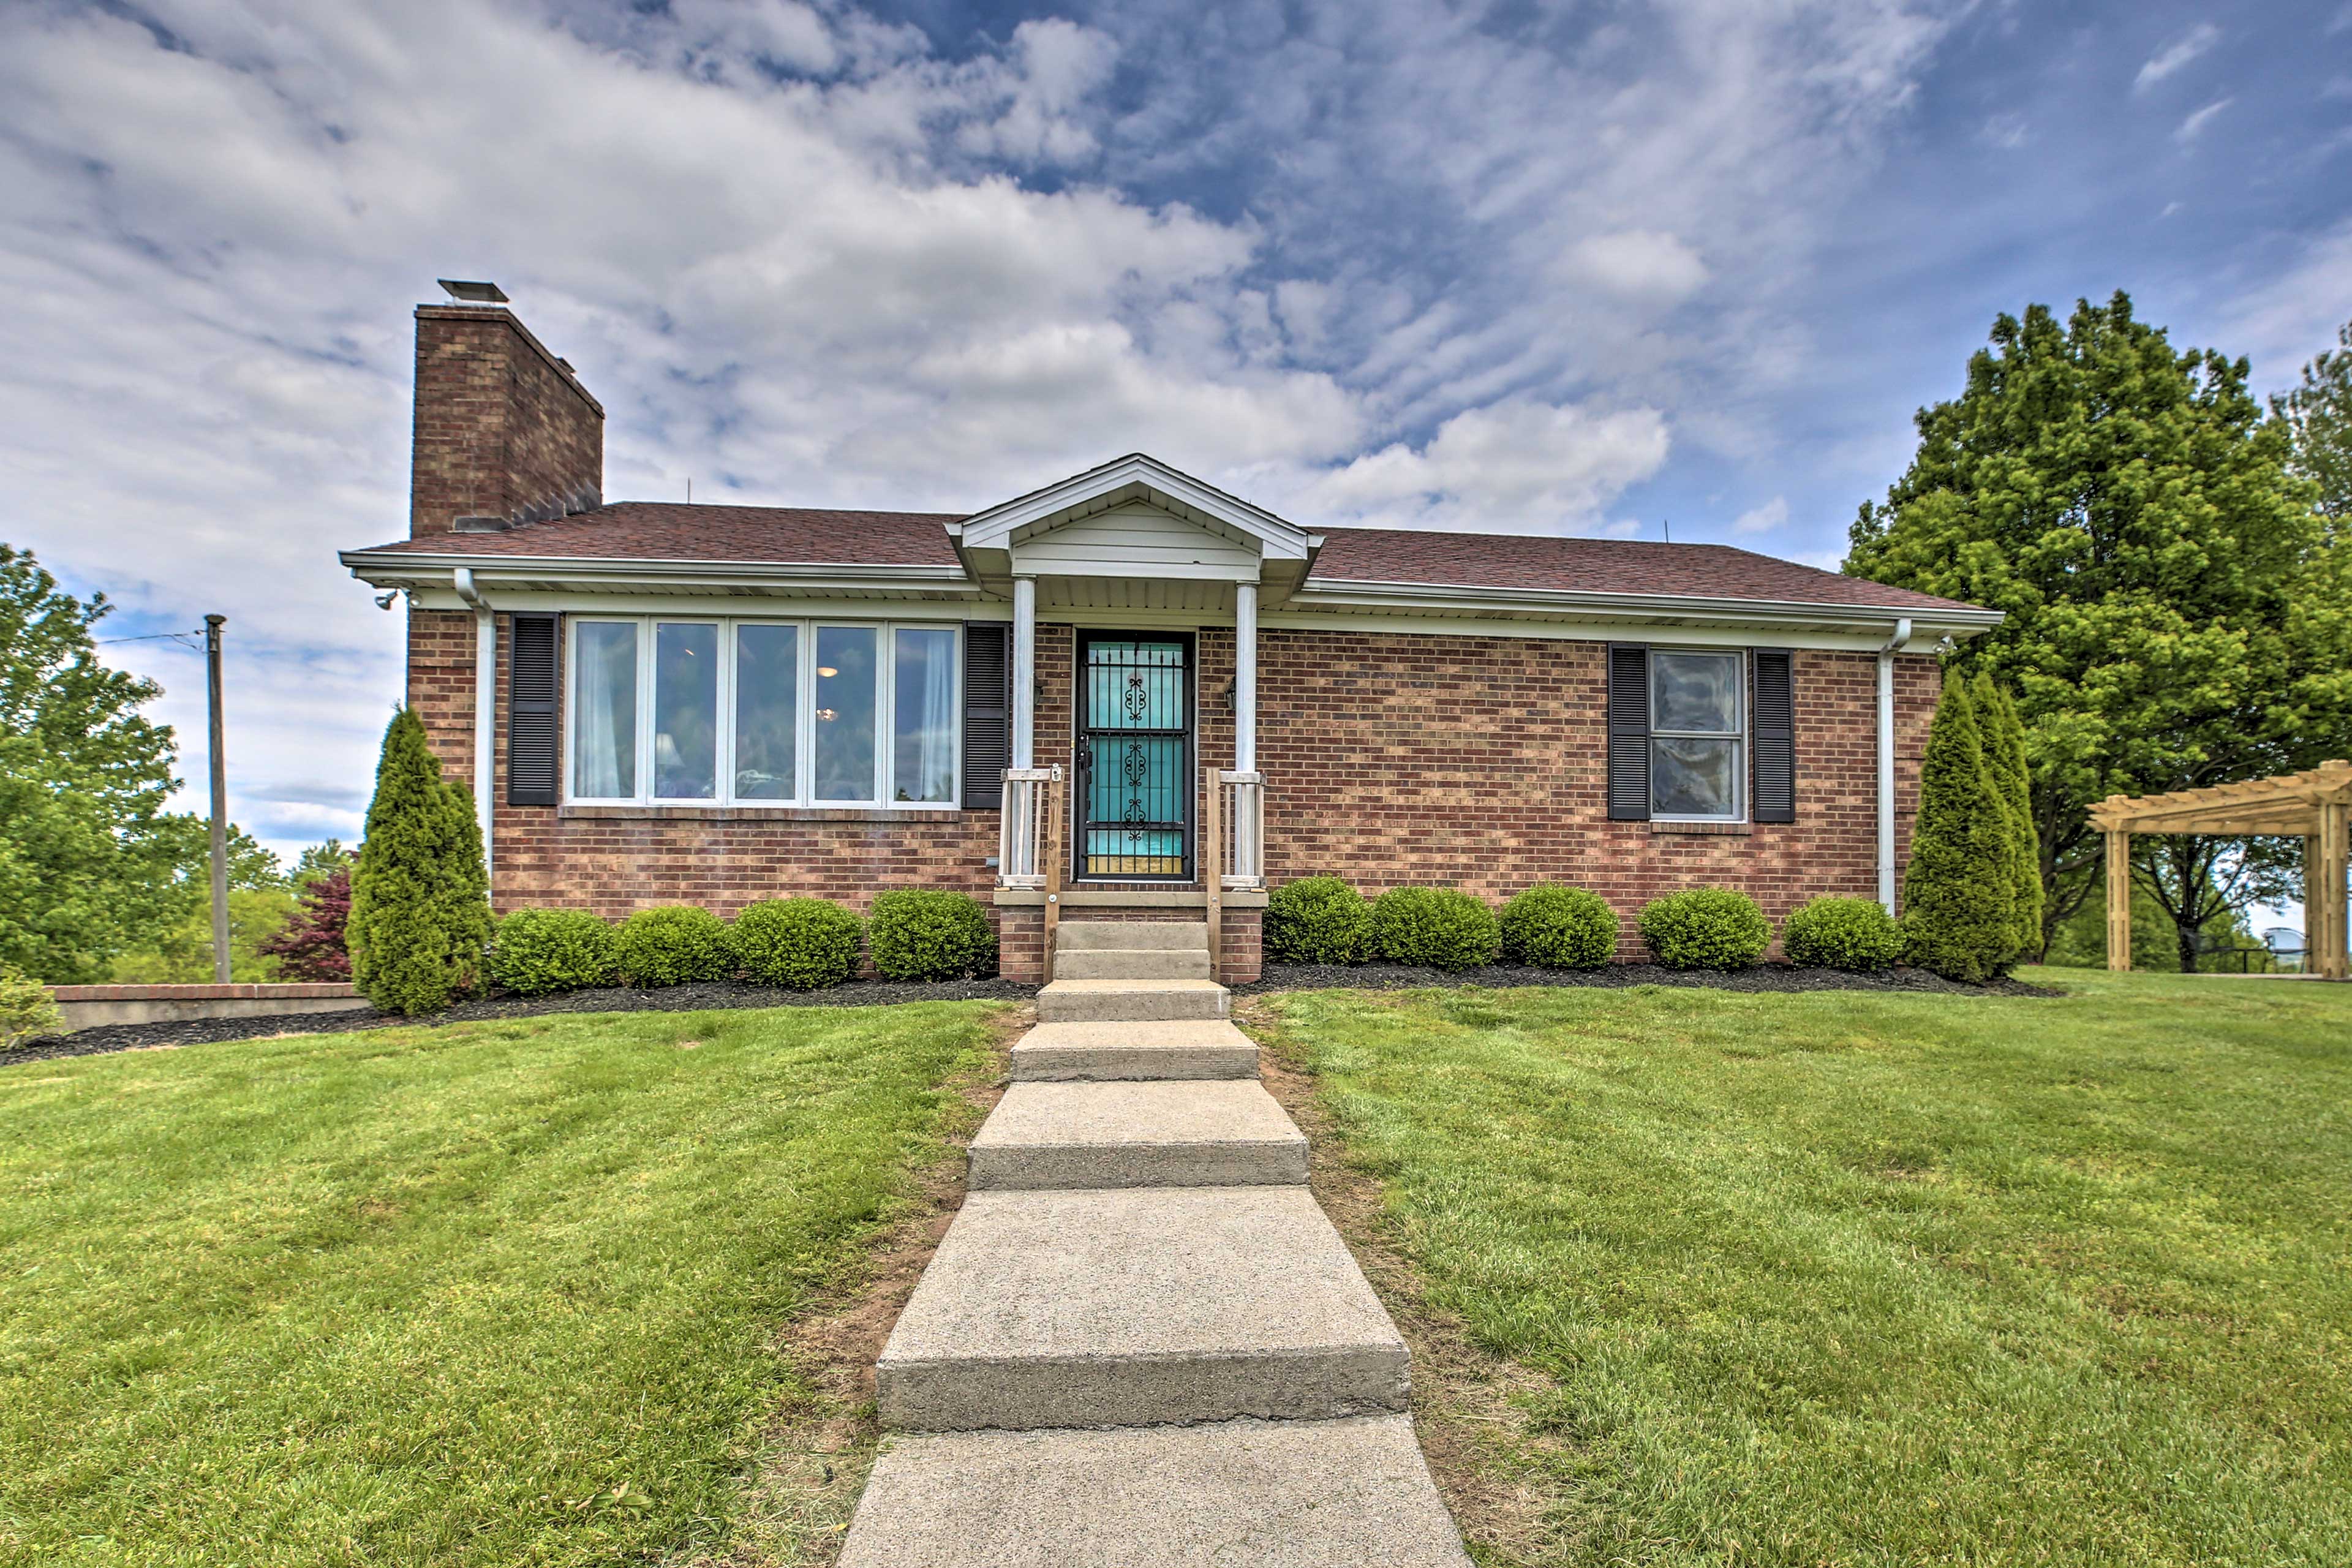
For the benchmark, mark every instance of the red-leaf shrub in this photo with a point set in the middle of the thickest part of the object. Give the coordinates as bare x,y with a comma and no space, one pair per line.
310,944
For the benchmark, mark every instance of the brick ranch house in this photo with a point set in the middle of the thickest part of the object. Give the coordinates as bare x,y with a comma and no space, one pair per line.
657,703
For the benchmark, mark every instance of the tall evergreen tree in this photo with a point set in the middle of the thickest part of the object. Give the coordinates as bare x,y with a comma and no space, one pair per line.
2004,738
1959,902
2174,620
420,910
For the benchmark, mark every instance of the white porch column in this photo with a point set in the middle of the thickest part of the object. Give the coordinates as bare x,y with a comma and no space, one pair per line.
1024,672
1245,677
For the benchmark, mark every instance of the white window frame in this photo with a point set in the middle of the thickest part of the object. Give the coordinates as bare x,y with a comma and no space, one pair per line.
886,707
1737,734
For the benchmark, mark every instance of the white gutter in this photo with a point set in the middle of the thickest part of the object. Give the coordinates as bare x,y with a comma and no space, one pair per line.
406,568
1895,644
486,703
1317,593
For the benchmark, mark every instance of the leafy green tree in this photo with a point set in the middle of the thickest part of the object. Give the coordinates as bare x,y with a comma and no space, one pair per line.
2175,618
1959,899
90,859
2317,413
420,915
323,858
2004,741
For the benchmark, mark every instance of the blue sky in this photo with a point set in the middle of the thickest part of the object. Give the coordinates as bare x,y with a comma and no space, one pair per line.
1577,267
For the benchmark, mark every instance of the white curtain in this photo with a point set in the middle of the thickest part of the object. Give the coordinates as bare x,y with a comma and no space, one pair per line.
926,703
603,756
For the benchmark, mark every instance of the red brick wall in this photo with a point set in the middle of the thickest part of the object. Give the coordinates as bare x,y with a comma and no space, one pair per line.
1391,758
501,430
1481,763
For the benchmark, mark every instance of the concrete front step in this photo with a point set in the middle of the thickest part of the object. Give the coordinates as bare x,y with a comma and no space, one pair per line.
1180,1048
1268,1494
1072,1135
1138,1306
1137,1001
1133,963
1081,936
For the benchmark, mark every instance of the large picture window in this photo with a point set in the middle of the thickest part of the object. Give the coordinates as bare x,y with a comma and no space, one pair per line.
682,710
1697,735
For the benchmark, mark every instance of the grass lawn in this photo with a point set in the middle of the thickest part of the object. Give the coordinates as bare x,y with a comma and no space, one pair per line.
491,1293
1861,1278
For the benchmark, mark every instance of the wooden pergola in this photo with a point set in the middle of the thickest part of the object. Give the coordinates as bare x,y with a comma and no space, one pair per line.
2313,804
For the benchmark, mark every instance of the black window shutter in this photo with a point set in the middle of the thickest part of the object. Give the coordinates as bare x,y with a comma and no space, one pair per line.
987,713
1629,733
1775,742
532,727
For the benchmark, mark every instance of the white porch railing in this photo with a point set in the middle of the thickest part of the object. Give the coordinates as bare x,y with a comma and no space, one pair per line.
1025,850
1239,820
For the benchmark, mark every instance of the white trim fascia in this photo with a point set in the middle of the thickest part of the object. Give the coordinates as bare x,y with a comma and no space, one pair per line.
1277,539
1475,603
387,568
741,606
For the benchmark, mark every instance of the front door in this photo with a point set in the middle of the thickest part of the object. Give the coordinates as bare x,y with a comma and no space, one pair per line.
1135,757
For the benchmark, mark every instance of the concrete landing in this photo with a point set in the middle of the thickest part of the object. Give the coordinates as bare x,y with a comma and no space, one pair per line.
1110,1000
1182,1049
1202,1135
1138,1306
1266,1494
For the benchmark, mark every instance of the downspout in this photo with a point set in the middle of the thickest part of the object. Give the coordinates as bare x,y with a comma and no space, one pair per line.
1895,644
486,703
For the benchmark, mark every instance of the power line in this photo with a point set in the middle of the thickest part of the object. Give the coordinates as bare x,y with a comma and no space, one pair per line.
180,638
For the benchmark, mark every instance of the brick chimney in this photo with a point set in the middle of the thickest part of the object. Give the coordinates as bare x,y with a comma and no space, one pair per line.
505,433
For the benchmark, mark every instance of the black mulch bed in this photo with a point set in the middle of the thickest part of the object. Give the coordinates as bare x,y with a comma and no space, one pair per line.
1617,977
619,999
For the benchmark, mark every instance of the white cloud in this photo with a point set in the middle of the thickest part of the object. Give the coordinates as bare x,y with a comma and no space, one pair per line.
1639,264
1762,519
2177,56
2194,126
2006,131
1521,468
2283,323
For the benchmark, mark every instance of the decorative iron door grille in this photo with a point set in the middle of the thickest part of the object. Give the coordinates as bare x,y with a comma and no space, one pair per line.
1135,759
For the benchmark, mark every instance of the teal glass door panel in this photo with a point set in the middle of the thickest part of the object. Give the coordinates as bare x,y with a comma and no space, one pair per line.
1135,759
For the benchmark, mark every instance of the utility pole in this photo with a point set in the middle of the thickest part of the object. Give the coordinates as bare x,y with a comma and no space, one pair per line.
213,624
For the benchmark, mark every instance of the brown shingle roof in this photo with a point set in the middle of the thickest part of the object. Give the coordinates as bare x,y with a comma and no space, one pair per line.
670,530
1595,566
665,531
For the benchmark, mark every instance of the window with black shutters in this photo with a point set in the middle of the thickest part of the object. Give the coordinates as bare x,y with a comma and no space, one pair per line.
532,727
987,713
1701,735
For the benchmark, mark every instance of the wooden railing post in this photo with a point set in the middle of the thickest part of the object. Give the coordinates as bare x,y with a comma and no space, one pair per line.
2119,900
1051,852
1212,858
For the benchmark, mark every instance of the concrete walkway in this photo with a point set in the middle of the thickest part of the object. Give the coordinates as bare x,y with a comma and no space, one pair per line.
1141,1341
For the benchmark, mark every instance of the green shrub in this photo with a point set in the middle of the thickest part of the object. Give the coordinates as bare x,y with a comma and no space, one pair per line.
674,945
1706,928
420,916
1444,928
1960,916
27,1011
1842,933
539,951
801,944
2004,743
1558,927
919,934
1317,920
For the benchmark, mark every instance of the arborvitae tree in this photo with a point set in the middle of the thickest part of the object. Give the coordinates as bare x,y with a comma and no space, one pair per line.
420,913
2004,741
1959,902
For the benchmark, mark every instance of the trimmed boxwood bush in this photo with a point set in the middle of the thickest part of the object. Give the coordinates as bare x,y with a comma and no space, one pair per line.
1317,920
1842,933
1706,928
1558,927
675,946
539,951
928,934
801,944
1444,928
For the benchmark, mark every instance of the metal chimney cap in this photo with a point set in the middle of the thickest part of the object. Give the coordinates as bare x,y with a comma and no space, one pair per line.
469,293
